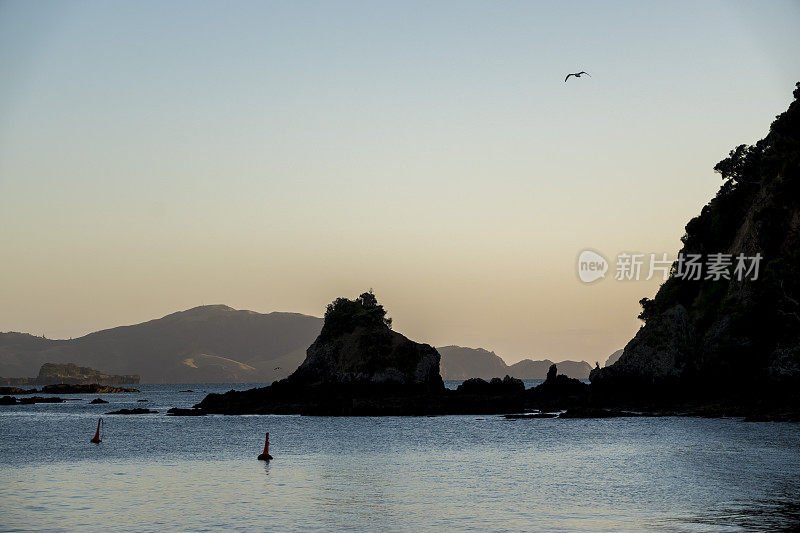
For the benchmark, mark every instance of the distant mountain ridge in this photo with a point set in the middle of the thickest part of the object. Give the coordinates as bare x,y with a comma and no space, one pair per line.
216,343
463,363
212,343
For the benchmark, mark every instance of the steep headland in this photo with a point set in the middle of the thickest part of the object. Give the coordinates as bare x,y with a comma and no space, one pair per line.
728,341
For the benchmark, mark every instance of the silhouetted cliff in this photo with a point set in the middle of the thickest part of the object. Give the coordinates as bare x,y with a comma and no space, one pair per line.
727,339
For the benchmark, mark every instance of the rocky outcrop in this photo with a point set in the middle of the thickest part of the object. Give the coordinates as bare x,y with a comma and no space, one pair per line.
652,362
16,390
557,392
92,388
495,386
497,395
359,366
63,388
10,400
357,347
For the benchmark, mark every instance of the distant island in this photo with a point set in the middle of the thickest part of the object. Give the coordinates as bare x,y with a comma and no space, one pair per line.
71,374
459,363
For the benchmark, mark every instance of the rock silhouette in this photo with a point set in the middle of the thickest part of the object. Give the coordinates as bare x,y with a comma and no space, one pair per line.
731,342
359,366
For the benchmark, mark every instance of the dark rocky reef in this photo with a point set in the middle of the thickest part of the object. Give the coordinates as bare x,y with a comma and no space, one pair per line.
728,345
65,388
10,400
93,388
476,396
359,366
135,411
558,392
98,400
16,390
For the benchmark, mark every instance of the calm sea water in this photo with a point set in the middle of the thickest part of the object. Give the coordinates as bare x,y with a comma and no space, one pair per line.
463,473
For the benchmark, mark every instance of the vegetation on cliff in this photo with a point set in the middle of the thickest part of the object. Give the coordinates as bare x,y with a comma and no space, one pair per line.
729,335
357,346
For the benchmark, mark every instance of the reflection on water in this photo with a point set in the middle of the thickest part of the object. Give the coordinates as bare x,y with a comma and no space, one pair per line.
153,472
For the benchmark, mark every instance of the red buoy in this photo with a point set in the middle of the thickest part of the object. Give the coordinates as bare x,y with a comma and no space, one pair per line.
265,456
96,438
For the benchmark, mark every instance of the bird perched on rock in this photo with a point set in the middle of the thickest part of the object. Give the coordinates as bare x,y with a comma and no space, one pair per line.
577,75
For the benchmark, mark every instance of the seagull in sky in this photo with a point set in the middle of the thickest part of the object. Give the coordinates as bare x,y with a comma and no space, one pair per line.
577,75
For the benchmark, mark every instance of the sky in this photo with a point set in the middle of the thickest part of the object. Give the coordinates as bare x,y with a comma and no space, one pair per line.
272,156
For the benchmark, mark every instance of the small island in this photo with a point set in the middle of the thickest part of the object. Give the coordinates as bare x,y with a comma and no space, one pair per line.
71,374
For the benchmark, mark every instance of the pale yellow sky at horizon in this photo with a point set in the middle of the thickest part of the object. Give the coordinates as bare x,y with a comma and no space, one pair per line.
273,157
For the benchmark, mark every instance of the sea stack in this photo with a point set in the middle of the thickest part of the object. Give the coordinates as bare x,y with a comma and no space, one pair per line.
357,366
357,347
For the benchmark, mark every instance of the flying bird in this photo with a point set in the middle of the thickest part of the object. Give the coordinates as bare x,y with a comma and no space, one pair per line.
577,75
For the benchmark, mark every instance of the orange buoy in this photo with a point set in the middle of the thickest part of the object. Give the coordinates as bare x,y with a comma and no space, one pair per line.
265,456
96,438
